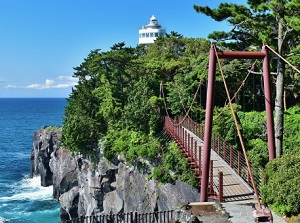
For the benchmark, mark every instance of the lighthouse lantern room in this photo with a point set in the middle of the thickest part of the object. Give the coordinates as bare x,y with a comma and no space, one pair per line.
149,33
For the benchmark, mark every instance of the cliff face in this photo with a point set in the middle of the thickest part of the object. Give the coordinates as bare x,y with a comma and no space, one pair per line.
86,188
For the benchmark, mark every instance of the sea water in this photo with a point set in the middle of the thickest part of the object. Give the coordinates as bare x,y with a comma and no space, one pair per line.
22,199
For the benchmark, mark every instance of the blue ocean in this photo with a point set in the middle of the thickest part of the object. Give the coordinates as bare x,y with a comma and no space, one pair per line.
22,199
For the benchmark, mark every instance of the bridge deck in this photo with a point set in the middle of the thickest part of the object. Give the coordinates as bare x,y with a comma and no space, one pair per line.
235,188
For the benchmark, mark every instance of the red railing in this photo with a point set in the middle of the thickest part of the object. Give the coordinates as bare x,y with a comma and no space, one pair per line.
131,217
192,149
234,158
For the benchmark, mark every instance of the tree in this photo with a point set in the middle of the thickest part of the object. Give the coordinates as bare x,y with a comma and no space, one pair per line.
82,125
275,22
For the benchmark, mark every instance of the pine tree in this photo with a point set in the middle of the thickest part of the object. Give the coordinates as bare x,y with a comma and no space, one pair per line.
275,22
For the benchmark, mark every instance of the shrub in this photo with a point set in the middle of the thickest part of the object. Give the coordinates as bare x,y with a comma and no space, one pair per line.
174,162
280,187
291,138
53,129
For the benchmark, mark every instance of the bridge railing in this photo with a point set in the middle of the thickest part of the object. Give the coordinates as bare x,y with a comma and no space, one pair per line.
235,159
181,131
131,217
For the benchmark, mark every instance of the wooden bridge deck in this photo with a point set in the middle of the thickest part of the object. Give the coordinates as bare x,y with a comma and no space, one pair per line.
234,187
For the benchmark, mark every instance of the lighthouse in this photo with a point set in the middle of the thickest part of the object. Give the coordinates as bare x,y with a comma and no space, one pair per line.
149,33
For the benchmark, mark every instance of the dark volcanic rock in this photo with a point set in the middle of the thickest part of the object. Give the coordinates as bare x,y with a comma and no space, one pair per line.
86,187
44,144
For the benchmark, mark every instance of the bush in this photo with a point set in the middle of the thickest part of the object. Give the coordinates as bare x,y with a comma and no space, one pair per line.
280,187
174,162
291,138
53,129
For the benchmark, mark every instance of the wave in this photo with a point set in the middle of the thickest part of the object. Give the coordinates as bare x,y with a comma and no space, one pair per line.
30,189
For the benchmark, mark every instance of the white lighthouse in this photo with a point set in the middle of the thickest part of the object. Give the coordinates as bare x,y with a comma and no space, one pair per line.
149,33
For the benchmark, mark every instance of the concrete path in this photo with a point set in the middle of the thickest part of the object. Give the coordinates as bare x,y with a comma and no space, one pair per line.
241,212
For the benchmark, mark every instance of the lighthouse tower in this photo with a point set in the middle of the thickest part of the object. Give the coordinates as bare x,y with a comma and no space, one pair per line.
149,33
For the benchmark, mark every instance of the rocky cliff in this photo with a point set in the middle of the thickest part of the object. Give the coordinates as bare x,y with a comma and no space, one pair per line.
86,186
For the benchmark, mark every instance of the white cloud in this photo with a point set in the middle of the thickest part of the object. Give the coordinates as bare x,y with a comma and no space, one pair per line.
11,86
59,82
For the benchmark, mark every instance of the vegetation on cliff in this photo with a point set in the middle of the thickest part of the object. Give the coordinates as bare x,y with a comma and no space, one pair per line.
118,104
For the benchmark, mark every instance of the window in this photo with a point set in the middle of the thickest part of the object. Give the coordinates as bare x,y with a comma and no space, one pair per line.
156,34
143,35
151,34
147,34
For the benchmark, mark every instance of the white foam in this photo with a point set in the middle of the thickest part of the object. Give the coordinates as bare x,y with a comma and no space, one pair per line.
30,189
27,182
2,220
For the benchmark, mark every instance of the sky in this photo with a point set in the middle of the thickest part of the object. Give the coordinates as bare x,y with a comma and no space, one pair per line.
41,41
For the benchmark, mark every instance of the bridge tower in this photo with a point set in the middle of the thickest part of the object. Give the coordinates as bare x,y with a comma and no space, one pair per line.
263,55
149,33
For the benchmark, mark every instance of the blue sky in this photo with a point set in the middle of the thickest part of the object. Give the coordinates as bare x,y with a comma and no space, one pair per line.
41,41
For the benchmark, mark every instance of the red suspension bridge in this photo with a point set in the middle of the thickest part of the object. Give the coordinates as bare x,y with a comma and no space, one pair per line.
223,172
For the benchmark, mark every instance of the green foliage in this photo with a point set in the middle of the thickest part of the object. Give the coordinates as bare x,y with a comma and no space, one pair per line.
224,124
131,144
118,95
274,22
53,129
291,129
174,167
280,186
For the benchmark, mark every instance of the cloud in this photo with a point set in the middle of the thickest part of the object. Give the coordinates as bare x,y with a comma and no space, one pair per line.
11,86
1,81
60,82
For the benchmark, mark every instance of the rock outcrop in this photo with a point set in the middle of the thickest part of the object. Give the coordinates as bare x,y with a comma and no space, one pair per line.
86,187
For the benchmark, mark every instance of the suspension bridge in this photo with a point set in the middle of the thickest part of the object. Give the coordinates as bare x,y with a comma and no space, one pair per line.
223,172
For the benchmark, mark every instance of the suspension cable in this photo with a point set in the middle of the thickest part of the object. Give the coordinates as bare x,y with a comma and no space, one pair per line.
186,112
238,90
190,107
238,130
281,57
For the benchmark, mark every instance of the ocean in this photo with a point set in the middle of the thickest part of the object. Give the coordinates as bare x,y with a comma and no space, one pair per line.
22,199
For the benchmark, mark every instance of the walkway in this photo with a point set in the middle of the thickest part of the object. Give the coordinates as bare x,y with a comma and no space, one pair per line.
234,187
241,212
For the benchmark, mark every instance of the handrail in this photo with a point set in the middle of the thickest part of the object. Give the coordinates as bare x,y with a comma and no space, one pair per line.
234,158
192,149
131,217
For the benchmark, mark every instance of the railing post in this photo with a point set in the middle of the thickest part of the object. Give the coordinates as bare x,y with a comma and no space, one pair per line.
189,144
221,186
218,145
231,151
184,139
239,163
195,152
224,151
248,178
211,191
136,217
192,149
200,161
182,136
